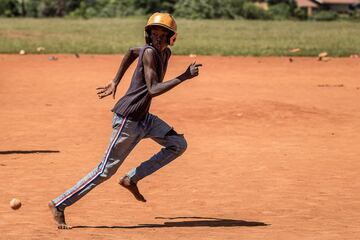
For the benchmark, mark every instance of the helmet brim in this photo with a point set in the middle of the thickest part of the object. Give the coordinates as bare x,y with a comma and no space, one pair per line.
160,25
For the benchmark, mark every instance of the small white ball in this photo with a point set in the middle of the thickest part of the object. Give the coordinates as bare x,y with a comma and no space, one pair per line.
15,203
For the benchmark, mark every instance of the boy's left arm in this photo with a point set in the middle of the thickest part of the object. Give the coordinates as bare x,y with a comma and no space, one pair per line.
155,87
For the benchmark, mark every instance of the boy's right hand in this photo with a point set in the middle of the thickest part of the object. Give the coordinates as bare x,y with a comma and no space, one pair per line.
192,71
107,90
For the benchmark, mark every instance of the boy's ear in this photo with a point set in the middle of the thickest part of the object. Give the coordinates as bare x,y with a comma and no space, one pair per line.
147,36
172,39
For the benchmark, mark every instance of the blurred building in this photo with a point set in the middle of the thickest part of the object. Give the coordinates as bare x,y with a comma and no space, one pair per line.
339,6
308,5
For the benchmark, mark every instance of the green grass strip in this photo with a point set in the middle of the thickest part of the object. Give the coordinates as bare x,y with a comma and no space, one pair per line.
201,37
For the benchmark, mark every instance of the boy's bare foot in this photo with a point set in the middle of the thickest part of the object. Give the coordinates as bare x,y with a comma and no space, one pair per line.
59,216
132,187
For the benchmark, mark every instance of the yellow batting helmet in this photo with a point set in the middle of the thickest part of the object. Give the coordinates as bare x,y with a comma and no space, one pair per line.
164,20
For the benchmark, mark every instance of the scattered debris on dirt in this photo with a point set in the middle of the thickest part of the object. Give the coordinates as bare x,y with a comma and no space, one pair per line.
354,56
22,52
325,59
330,85
192,55
52,58
294,50
40,49
323,56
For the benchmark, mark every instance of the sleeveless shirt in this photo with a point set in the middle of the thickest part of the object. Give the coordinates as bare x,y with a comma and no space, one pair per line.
135,104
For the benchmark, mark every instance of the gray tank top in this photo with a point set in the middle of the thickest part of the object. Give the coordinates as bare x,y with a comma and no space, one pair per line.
135,104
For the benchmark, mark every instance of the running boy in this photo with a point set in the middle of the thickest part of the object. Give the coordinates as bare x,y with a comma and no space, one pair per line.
132,120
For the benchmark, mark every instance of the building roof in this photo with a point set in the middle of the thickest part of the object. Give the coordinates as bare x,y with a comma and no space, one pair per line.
350,2
306,3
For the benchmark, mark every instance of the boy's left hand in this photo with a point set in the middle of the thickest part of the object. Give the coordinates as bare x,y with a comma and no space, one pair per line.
192,71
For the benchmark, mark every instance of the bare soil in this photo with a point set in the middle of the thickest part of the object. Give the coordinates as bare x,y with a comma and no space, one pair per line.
273,151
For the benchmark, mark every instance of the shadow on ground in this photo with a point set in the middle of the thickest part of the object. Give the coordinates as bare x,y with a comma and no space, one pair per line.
27,151
199,222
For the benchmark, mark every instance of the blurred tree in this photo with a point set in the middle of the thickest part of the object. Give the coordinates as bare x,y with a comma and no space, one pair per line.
10,8
252,11
281,8
47,8
208,8
151,6
80,11
280,11
168,6
194,9
22,7
30,8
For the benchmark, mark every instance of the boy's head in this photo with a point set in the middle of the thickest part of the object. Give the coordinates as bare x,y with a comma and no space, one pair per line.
160,30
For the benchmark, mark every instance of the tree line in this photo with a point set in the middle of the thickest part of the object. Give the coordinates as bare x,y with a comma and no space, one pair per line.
191,9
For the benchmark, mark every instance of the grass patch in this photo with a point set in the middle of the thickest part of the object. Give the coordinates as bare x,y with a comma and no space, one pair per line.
202,37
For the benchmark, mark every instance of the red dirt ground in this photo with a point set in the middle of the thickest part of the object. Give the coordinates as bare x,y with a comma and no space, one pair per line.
273,150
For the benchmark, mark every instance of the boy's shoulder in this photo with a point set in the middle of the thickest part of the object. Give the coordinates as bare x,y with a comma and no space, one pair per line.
148,49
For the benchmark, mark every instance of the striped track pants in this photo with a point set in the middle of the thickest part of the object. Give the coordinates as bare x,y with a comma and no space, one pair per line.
126,134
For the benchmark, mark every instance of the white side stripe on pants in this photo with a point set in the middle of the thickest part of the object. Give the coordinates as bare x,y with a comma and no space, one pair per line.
99,172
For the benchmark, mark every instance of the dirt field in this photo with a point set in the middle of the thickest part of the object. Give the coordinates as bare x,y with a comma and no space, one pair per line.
273,150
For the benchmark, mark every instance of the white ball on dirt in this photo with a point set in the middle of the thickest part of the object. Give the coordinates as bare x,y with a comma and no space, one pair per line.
15,204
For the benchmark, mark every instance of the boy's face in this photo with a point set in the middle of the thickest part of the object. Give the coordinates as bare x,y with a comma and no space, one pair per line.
159,36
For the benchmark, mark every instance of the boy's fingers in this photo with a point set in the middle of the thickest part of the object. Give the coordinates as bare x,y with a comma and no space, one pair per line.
101,92
103,95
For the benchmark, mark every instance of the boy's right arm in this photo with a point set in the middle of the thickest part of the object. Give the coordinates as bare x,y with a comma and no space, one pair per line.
128,59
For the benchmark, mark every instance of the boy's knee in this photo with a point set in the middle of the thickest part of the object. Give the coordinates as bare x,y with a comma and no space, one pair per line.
180,145
177,142
107,173
183,144
104,176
